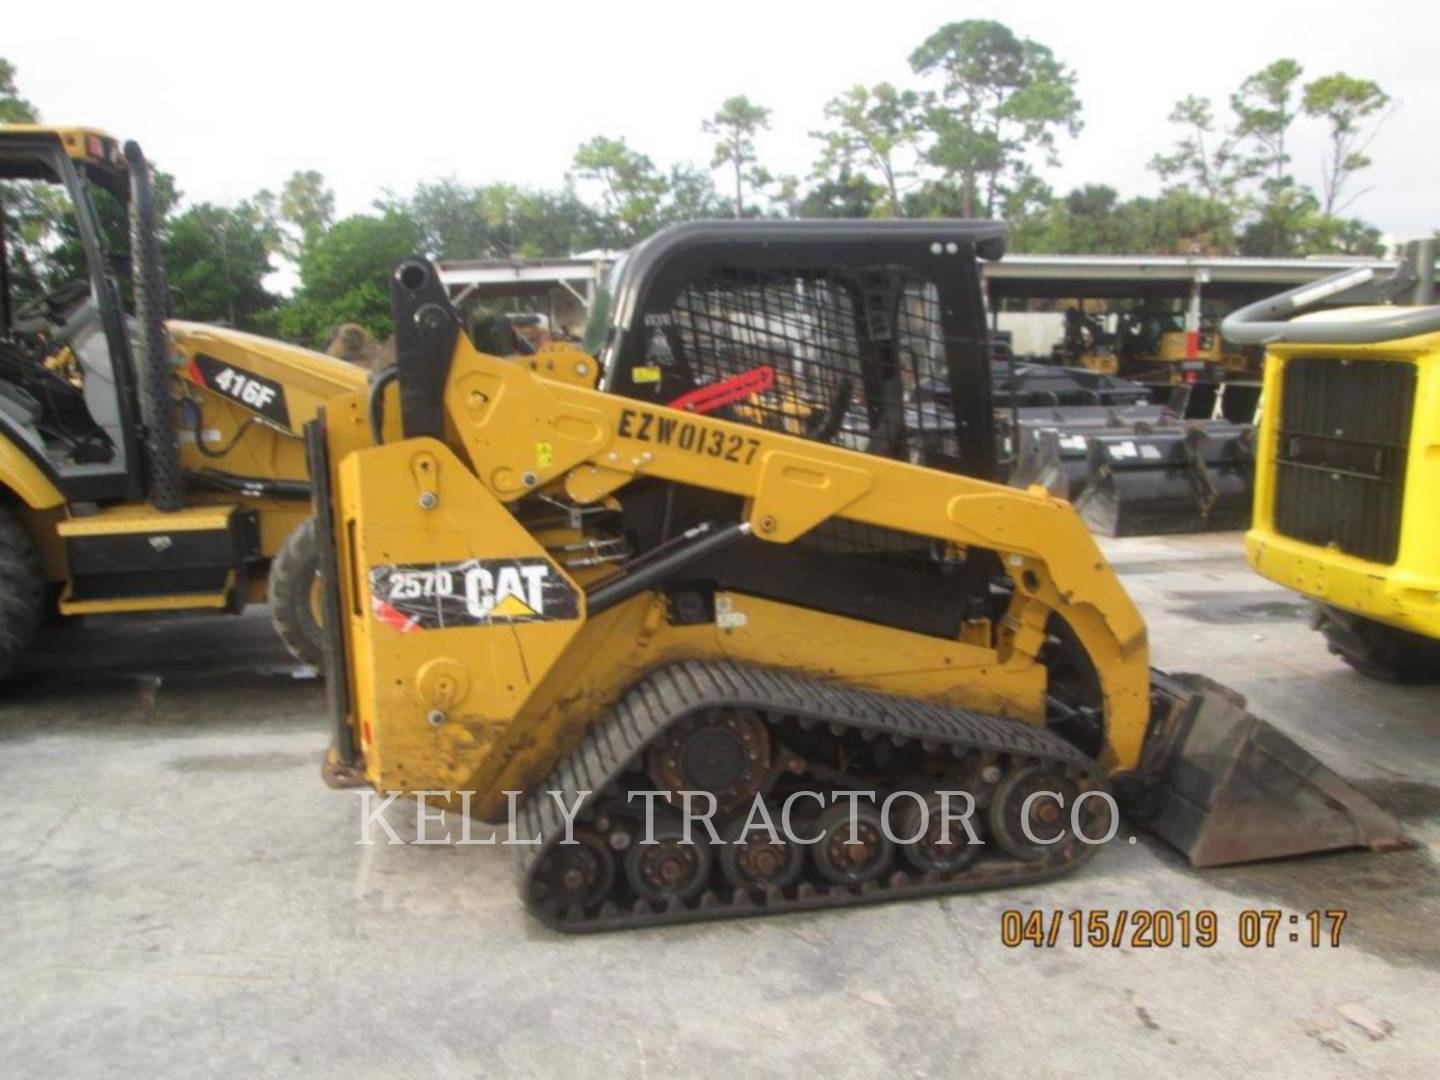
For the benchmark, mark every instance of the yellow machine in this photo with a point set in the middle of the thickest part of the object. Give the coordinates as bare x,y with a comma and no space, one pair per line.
1160,346
1175,351
642,582
1347,465
1087,343
144,465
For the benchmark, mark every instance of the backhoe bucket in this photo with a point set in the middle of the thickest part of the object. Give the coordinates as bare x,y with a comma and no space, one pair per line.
1223,786
1173,480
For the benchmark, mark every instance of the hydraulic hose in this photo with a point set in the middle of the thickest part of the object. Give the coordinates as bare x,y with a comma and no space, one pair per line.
375,405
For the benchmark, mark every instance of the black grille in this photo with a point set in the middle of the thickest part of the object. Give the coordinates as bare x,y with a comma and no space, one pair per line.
856,353
1340,457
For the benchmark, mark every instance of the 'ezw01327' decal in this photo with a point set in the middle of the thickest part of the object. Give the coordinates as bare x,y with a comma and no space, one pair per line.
689,435
254,392
476,592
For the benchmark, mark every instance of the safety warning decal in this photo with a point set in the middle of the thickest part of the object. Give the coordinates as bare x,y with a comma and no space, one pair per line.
476,592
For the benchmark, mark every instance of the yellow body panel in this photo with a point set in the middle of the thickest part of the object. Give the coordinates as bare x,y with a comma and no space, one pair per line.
1103,363
1175,349
264,450
564,362
23,477
1405,594
80,143
487,708
119,520
187,602
310,378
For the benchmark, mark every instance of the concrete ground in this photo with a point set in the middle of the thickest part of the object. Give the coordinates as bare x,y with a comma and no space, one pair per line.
180,895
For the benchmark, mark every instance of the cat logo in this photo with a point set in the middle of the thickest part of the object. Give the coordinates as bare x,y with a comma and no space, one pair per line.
475,592
509,592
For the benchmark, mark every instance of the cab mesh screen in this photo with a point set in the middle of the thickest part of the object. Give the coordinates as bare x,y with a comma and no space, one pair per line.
858,355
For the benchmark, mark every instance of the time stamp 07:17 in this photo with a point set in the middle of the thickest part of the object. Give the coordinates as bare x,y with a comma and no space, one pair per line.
1164,928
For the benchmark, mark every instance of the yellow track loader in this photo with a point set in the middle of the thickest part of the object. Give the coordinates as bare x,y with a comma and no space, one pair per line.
144,465
644,590
1348,461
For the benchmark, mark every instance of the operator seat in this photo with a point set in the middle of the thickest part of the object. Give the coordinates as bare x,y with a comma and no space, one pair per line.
83,330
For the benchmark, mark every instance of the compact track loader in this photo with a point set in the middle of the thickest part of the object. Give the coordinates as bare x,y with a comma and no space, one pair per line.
739,564
145,465
1348,463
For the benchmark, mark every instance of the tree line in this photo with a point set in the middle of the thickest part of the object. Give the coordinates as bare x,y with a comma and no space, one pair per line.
988,113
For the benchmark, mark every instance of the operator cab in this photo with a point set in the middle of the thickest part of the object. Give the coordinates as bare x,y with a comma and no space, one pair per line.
864,334
869,335
67,396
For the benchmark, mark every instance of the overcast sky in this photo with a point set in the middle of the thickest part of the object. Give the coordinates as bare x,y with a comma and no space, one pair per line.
233,97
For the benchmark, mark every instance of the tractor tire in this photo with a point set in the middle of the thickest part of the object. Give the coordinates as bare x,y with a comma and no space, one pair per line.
294,594
22,591
1377,650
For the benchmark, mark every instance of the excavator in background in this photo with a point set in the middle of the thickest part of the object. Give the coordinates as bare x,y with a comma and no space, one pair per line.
1348,460
737,560
145,465
1087,343
1149,344
1155,347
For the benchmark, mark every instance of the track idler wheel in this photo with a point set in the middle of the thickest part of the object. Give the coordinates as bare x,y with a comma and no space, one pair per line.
576,874
944,847
759,861
723,751
847,863
668,869
1049,814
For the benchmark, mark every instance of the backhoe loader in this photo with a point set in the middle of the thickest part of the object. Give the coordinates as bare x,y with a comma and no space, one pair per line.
145,465
1348,460
641,590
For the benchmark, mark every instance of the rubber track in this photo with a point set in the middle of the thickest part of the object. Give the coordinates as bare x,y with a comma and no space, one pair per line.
670,694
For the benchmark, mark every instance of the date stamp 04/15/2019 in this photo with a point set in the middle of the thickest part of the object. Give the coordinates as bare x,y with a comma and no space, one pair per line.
1165,928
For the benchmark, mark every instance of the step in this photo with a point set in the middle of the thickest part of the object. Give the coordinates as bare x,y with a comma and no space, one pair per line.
136,558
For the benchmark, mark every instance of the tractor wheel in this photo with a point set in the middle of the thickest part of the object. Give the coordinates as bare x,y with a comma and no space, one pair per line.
22,590
294,592
1377,650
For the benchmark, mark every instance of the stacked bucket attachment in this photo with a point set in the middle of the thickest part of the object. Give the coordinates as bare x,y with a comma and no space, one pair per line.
1052,446
1145,469
1192,477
